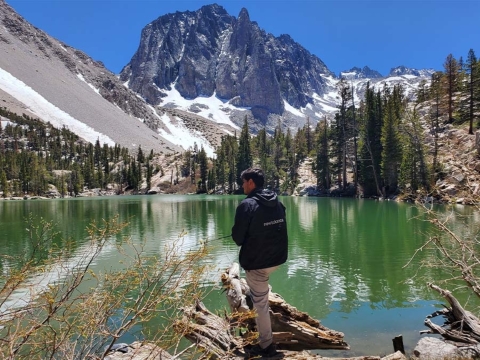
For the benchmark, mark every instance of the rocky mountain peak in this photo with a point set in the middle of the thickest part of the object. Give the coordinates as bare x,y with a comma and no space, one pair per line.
358,73
244,15
209,52
403,70
214,9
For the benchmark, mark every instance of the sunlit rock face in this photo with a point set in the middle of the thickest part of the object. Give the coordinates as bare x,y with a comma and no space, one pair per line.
210,52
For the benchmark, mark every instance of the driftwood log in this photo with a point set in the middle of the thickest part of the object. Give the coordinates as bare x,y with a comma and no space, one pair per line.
461,327
210,332
213,334
292,329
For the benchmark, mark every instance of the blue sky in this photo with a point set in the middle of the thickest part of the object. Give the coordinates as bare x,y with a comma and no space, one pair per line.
343,33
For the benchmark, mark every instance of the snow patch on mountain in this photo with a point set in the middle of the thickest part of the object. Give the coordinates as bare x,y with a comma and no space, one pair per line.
409,78
46,111
292,110
212,107
80,76
180,135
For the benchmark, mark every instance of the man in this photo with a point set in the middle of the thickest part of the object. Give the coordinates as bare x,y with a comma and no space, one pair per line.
261,230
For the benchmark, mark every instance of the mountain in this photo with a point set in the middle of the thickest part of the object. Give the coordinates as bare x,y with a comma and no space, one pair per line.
193,79
205,60
402,70
357,73
409,78
45,78
209,53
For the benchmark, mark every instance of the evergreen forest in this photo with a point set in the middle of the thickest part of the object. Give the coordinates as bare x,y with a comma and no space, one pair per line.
373,148
34,155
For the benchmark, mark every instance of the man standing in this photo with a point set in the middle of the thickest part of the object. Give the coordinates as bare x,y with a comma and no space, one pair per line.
261,230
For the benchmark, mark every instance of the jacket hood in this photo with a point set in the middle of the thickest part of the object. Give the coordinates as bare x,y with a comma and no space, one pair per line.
264,196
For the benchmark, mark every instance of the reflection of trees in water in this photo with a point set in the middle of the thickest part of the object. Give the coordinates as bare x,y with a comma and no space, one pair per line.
356,251
345,250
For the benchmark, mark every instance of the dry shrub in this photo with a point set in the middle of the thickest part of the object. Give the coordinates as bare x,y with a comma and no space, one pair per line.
53,305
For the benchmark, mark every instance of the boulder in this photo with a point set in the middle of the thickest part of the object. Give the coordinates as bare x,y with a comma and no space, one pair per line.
52,192
138,351
430,348
458,178
450,190
154,190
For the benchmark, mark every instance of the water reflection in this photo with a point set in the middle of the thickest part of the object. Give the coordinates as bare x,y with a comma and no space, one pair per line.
346,257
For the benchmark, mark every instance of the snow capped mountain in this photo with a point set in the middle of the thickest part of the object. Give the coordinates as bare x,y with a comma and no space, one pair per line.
47,79
209,54
357,73
409,78
402,70
193,79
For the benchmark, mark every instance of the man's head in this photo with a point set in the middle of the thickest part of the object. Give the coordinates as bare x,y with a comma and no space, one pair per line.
252,178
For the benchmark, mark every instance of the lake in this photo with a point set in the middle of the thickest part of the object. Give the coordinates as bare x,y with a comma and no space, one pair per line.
346,256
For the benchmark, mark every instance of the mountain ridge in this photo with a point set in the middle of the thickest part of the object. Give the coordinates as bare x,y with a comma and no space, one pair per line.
302,85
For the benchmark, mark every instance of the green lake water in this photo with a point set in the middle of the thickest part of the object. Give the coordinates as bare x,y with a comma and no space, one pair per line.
346,256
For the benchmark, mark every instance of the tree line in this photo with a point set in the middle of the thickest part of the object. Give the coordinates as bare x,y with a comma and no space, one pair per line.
34,155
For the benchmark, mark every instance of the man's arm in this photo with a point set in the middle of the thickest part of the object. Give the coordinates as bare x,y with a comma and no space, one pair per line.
242,220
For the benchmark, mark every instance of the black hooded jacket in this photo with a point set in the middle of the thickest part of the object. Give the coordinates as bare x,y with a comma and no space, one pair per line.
261,230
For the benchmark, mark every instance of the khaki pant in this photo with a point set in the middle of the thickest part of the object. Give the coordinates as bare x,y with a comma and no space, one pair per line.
257,280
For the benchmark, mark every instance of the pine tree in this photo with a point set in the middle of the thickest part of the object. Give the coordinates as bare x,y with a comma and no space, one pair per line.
262,145
203,165
310,137
422,92
231,156
391,145
193,163
413,170
149,175
220,166
77,180
451,84
278,155
261,148
355,132
244,157
435,94
186,163
140,155
4,183
225,165
473,80
97,154
301,146
291,147
341,132
371,149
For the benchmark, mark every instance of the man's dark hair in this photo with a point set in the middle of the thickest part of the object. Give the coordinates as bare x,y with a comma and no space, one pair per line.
255,174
